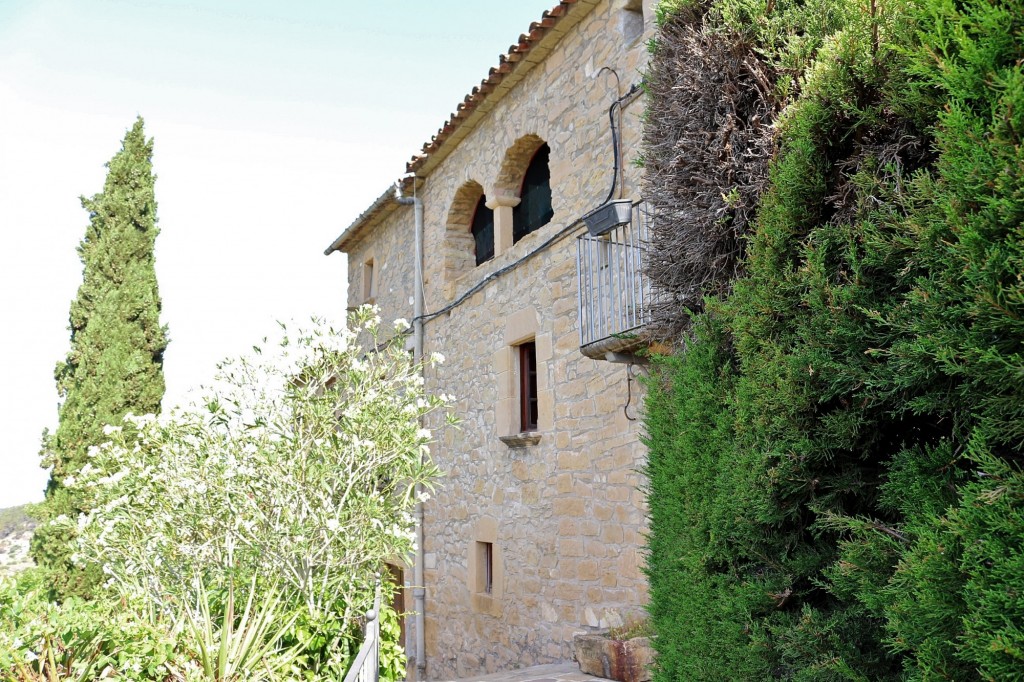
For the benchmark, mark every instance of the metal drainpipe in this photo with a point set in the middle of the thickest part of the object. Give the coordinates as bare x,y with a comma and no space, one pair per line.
419,590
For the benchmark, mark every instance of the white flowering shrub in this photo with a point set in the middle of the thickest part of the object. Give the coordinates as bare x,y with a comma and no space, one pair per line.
298,467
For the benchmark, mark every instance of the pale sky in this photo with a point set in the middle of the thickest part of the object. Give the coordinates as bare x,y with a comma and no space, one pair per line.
275,125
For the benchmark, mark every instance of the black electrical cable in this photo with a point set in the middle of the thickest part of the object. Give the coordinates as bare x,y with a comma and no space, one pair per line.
426,317
629,392
615,152
499,272
615,139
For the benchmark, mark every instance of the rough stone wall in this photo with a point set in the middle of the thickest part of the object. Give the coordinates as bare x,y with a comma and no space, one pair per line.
566,515
391,246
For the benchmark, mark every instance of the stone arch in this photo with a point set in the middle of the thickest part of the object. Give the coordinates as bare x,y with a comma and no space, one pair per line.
459,247
524,184
513,166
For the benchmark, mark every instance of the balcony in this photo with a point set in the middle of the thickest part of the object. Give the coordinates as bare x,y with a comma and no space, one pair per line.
614,293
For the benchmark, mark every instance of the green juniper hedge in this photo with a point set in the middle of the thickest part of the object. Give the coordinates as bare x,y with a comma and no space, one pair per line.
115,365
835,471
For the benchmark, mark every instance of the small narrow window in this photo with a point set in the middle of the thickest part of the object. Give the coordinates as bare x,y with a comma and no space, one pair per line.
485,567
534,209
483,231
528,408
369,282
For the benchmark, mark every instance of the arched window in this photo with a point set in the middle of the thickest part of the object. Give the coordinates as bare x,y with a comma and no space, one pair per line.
483,231
534,209
468,232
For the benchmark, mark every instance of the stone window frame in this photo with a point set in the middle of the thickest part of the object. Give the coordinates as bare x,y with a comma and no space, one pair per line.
459,246
484,567
485,532
370,276
528,408
522,327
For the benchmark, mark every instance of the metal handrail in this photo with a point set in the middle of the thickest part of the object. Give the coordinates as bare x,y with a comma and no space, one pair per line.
366,666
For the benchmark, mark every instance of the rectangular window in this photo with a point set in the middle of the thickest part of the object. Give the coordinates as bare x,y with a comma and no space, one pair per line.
369,283
485,567
528,409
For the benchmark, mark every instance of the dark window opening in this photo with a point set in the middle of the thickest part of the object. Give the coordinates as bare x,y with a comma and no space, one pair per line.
534,209
369,283
485,567
528,407
483,231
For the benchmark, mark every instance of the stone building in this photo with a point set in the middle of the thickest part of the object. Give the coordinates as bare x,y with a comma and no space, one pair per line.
536,531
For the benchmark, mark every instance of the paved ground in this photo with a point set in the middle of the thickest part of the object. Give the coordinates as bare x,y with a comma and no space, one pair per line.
557,672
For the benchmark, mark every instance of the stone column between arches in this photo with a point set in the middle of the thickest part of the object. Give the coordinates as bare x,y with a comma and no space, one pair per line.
502,206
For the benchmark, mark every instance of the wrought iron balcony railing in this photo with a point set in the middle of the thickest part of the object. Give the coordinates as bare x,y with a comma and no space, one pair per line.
614,293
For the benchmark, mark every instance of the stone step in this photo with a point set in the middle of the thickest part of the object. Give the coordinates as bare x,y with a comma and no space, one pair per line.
555,672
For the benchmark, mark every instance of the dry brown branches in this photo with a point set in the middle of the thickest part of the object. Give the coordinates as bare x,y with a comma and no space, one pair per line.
707,144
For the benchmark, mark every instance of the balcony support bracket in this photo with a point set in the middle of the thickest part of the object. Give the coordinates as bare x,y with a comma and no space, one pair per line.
626,358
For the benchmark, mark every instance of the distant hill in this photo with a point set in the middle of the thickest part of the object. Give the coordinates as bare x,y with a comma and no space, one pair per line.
16,528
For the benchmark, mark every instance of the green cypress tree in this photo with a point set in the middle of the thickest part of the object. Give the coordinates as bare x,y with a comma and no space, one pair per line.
115,365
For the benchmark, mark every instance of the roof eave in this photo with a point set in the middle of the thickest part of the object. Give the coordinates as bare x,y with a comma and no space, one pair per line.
513,66
531,49
380,207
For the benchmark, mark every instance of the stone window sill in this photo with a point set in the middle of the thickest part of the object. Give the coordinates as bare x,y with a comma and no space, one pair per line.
486,603
521,440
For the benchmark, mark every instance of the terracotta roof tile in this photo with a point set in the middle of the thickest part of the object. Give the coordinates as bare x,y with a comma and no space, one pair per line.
506,64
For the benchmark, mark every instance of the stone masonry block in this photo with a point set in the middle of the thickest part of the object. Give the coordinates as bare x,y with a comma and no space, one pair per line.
572,461
568,506
587,570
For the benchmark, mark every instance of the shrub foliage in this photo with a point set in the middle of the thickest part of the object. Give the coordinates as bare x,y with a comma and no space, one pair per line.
707,145
836,482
